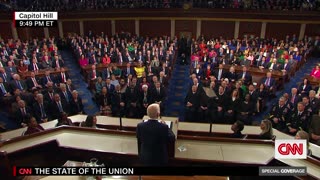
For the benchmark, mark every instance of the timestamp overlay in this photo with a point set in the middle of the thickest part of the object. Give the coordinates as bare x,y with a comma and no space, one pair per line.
35,19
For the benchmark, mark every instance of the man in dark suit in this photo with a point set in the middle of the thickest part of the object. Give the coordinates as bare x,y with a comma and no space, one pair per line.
41,109
128,70
93,74
153,139
64,94
298,121
198,71
219,73
262,64
270,83
93,59
58,106
49,93
273,64
22,113
33,82
192,103
34,66
48,78
17,83
245,76
110,87
159,95
5,76
63,76
118,102
11,69
4,89
57,63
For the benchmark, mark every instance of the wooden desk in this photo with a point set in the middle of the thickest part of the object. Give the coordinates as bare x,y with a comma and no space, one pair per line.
41,73
313,81
101,67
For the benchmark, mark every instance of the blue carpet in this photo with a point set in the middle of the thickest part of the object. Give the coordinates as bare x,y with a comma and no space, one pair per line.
177,91
90,106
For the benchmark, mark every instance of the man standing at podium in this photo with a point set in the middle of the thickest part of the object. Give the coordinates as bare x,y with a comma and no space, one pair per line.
153,139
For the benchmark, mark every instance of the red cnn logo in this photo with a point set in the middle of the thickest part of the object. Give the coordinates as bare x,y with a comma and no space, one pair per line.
290,149
22,171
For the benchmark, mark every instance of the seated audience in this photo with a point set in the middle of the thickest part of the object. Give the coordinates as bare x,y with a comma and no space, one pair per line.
315,72
266,130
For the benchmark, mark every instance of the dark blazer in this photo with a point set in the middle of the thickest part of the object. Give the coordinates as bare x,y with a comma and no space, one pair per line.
31,67
68,98
287,68
76,107
45,80
125,73
158,97
8,77
30,83
216,73
54,109
59,77
7,88
19,117
37,110
12,70
232,76
272,81
275,66
247,77
306,89
199,74
90,74
263,64
153,139
54,64
14,85
110,89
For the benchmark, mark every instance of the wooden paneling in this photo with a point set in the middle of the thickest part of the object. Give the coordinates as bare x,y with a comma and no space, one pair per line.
5,30
280,30
250,28
97,27
312,29
54,31
154,28
70,27
186,26
217,28
23,33
125,26
36,33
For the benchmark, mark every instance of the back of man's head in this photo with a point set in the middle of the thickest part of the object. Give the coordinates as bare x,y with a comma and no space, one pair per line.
153,111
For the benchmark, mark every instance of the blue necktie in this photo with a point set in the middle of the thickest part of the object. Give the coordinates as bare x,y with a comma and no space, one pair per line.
3,89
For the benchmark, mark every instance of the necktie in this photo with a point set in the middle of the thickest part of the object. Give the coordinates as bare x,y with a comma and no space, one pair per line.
63,79
49,79
5,77
219,75
43,114
19,84
51,96
268,82
34,82
24,111
60,106
58,66
66,95
158,90
243,75
292,99
35,67
3,89
128,71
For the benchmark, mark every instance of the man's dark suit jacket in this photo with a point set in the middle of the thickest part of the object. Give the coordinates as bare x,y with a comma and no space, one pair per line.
30,83
125,72
247,77
54,109
54,64
31,67
153,139
7,88
37,110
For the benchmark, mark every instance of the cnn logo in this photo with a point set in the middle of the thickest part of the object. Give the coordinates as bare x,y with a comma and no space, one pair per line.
290,149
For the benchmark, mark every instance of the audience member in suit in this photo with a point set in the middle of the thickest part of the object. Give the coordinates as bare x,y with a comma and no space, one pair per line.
93,74
64,94
220,73
46,63
76,106
17,83
198,71
192,104
298,120
118,102
11,69
151,153
70,87
22,113
63,76
314,102
270,83
294,98
57,63
107,72
58,106
34,66
128,70
245,62
93,60
165,69
245,76
285,67
48,78
266,130
208,72
232,75
110,87
163,79
304,88
33,82
41,109
5,76
133,102
145,99
262,64
223,60
5,90
159,95
273,65
237,127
